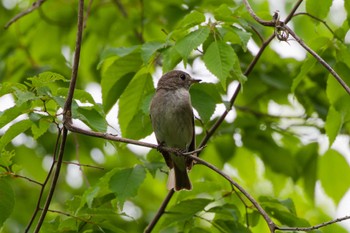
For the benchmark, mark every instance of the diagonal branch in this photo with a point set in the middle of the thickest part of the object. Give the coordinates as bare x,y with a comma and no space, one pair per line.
319,59
34,6
66,116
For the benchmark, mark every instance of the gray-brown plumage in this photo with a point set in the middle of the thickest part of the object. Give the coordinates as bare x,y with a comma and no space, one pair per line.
173,124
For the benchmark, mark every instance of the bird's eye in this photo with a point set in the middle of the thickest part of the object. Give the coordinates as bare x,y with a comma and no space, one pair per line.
182,76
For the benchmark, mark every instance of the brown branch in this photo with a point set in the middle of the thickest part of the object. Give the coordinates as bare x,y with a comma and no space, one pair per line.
37,208
256,17
66,116
83,165
25,178
271,224
319,59
54,181
317,19
160,212
314,227
34,6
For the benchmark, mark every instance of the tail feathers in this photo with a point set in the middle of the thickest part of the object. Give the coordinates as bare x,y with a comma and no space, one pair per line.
178,179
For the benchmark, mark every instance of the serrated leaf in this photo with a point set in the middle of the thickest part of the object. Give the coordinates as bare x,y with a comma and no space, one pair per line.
171,58
224,13
333,124
92,117
81,95
24,96
117,76
204,98
334,174
283,211
41,127
148,49
190,42
131,103
226,212
125,183
307,65
192,19
6,158
13,131
8,87
186,209
219,59
45,79
117,52
11,113
318,10
7,198
307,158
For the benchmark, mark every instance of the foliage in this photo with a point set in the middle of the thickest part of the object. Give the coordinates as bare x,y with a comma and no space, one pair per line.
280,159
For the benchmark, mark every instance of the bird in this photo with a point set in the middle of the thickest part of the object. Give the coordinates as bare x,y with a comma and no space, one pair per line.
172,120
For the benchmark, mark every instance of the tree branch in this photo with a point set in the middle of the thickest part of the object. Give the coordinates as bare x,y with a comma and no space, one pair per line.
66,115
319,59
160,212
313,227
34,6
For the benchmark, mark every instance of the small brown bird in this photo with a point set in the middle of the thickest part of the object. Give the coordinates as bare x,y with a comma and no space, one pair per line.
173,124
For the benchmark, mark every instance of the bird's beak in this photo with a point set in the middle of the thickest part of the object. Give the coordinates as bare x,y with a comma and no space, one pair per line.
195,80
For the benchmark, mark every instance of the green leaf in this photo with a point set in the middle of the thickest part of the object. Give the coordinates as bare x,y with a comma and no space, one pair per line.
333,124
148,49
318,10
347,8
283,211
117,52
204,98
219,59
225,146
92,117
192,19
131,103
13,131
171,58
9,87
226,212
46,79
39,128
307,158
307,65
12,113
334,174
190,42
24,96
6,159
224,13
231,226
117,76
125,182
185,210
81,95
7,198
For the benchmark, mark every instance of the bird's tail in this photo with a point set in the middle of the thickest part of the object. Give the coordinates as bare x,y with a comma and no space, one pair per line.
178,179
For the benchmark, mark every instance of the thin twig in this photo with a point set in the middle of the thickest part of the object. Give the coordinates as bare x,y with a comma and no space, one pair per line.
34,6
319,59
26,178
54,181
314,227
160,212
83,165
37,208
268,220
317,19
66,115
